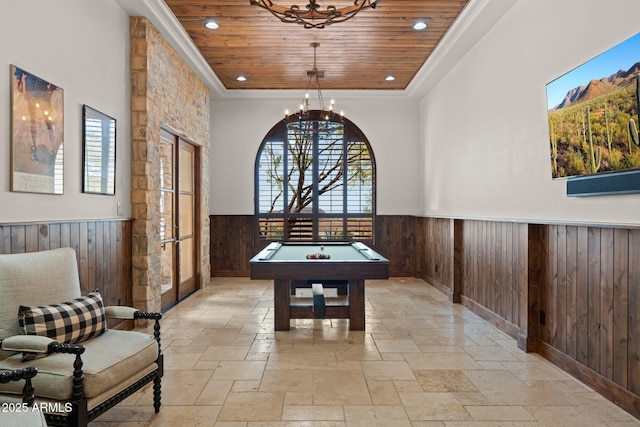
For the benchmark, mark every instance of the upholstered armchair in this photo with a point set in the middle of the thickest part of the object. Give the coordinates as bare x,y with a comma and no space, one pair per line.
84,368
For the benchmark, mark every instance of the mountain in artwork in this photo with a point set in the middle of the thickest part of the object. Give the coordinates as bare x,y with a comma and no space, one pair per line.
596,88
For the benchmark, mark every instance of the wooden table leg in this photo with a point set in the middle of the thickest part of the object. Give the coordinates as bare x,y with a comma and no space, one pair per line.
356,305
282,305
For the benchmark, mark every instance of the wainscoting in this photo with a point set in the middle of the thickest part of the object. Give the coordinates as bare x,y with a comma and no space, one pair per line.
103,249
234,242
590,308
568,292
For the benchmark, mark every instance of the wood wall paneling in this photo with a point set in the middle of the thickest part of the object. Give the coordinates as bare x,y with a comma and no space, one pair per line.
591,302
397,237
233,243
495,258
439,254
103,250
633,334
397,240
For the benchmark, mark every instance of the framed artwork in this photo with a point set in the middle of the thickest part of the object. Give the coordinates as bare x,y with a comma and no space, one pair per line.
37,134
98,152
593,115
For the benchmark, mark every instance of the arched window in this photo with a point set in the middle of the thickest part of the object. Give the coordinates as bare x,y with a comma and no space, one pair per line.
315,180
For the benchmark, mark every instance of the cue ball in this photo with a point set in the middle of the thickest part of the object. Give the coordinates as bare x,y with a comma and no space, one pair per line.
322,248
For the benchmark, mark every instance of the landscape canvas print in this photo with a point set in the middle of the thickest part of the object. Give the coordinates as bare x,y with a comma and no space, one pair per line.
593,114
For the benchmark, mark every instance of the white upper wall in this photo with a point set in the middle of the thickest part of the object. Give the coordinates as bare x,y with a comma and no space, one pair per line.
83,47
484,125
239,126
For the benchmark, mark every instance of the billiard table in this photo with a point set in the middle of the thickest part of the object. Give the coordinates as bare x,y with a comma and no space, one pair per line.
314,262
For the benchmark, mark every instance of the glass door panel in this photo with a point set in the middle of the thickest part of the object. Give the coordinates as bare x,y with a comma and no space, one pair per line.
186,215
187,248
166,210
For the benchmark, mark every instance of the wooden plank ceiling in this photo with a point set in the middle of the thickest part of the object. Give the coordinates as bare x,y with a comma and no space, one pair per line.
357,54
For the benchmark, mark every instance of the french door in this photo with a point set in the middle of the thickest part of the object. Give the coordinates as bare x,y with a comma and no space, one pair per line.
178,218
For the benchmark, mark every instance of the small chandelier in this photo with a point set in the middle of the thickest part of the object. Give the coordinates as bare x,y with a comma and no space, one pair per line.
304,112
311,16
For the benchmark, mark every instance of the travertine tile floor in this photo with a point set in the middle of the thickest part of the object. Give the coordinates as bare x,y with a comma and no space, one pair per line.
421,362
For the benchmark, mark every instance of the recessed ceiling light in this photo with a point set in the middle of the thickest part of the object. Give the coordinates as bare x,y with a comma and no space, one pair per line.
390,78
241,78
211,24
420,25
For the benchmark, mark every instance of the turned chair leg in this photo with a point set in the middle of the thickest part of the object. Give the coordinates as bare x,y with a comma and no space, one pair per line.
156,394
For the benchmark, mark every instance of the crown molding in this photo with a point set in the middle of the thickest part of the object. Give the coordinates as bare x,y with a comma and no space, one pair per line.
473,22
159,14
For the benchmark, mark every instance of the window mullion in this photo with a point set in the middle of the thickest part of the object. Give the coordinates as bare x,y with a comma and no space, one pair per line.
315,177
285,189
345,180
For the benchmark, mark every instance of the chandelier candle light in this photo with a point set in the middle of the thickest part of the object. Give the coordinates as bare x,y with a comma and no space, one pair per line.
304,112
311,16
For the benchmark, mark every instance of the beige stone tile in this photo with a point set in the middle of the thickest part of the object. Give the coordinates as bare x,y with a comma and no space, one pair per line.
376,416
136,415
252,406
226,352
340,387
200,416
471,398
357,353
182,387
306,360
289,380
565,416
441,361
313,413
298,398
433,406
383,393
499,413
241,386
409,386
444,381
178,361
537,370
392,356
505,389
296,424
214,393
207,365
490,353
239,370
397,346
387,370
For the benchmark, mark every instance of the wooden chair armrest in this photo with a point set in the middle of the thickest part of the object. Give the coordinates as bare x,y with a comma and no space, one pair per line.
130,313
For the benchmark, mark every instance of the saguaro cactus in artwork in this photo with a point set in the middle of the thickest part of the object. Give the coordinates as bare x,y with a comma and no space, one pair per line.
633,131
554,146
595,154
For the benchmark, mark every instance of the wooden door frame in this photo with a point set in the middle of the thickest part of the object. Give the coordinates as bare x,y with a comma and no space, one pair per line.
197,226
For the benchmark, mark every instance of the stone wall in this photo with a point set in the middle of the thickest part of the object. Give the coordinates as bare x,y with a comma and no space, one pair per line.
164,91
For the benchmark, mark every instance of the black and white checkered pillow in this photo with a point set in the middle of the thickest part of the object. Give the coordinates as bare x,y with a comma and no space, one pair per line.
70,322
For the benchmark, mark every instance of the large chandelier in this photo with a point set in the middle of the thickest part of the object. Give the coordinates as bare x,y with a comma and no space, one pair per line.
304,112
311,16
